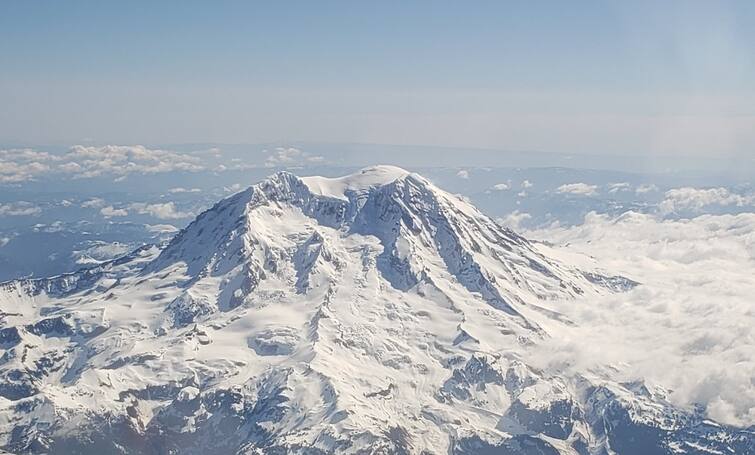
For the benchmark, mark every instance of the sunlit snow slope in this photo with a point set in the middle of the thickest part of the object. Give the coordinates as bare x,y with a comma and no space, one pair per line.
373,313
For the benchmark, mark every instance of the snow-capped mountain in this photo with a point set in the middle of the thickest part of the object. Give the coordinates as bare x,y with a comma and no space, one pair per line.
373,313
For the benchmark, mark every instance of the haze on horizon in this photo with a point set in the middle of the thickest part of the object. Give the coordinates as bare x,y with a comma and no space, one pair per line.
647,78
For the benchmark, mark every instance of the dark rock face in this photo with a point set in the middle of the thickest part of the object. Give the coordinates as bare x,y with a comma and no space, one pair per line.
476,374
615,283
59,326
556,421
517,445
9,336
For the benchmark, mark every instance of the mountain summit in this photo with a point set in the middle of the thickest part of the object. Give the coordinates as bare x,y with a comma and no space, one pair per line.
372,313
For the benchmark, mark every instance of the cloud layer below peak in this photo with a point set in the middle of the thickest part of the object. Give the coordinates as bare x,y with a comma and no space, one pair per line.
687,328
118,161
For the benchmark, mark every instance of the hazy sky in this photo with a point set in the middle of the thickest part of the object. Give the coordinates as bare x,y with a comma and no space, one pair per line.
595,77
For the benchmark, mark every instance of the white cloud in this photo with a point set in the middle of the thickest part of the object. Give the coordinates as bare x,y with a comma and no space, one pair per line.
694,199
20,208
55,226
110,211
463,174
501,186
93,203
20,165
184,190
514,220
4,241
687,328
161,228
582,189
290,156
163,211
123,160
527,184
646,188
70,167
617,187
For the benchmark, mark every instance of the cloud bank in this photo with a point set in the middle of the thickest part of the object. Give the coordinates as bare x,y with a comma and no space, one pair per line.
20,208
21,165
687,328
695,199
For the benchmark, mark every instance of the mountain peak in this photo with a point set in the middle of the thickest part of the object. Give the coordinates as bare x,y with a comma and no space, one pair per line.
421,235
369,177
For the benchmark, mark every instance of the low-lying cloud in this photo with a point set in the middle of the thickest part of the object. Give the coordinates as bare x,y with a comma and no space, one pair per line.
696,199
110,211
687,328
117,161
290,156
618,187
646,188
20,208
162,210
514,220
582,189
179,190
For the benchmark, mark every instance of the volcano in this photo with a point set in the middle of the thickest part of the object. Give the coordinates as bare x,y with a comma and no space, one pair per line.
369,314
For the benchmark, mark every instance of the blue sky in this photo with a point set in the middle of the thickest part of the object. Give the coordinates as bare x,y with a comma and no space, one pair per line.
592,77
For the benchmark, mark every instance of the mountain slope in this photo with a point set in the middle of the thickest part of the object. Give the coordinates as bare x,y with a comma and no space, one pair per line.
373,313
